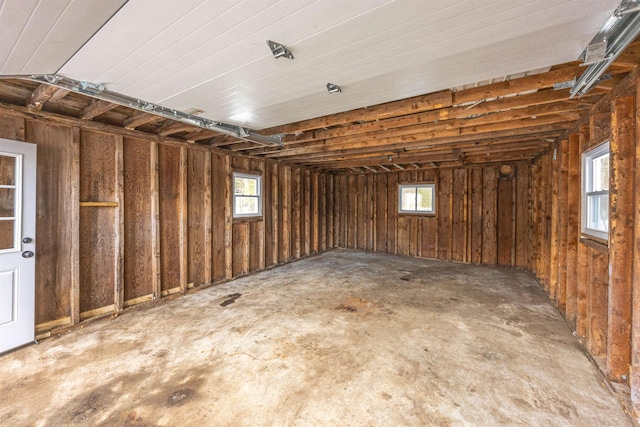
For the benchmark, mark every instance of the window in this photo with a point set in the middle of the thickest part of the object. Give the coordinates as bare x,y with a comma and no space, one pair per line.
595,192
247,195
417,198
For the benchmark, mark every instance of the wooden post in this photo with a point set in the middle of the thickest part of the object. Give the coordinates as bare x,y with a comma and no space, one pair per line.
635,324
475,239
182,221
583,290
285,218
561,277
522,239
228,219
573,229
156,282
75,228
305,223
553,217
351,210
207,219
489,217
621,213
597,303
583,262
299,220
330,206
274,168
381,213
119,226
360,216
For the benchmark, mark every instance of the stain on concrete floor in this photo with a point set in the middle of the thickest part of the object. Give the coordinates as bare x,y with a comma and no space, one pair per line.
343,338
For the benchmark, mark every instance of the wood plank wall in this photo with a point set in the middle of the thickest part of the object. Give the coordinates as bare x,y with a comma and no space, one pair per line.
124,219
592,282
482,214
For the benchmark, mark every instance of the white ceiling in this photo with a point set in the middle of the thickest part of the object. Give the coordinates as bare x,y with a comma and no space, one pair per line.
39,36
212,54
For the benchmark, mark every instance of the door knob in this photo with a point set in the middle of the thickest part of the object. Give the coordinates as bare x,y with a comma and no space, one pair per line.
27,254
27,240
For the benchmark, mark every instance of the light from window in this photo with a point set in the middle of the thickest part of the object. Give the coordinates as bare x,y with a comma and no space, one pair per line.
595,192
417,198
247,195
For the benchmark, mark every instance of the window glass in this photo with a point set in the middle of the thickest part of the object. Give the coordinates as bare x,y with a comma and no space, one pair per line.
247,196
9,203
595,192
598,212
246,186
600,167
416,198
408,198
425,199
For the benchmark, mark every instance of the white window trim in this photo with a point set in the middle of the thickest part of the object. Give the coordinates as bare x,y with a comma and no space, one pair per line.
587,156
416,186
258,196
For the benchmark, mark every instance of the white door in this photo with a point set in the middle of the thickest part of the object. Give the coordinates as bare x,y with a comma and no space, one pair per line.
17,243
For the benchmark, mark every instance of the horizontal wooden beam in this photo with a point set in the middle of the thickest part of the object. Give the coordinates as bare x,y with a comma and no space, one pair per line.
444,125
472,163
99,204
435,101
535,100
416,104
520,127
548,133
445,154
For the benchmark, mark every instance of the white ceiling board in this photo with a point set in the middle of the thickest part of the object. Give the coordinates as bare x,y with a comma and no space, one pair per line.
212,55
396,63
38,37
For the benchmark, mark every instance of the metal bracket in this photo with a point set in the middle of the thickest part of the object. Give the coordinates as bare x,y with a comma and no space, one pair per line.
333,88
279,50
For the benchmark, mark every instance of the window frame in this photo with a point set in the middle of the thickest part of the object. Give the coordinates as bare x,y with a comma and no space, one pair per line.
431,185
586,192
259,196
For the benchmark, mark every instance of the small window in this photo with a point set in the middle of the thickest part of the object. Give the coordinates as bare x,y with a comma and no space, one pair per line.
595,192
247,195
417,199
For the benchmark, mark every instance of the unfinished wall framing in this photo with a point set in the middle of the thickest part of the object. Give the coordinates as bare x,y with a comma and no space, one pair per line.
124,218
481,216
593,283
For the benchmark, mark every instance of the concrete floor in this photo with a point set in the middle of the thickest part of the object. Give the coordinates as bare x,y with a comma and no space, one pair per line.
343,338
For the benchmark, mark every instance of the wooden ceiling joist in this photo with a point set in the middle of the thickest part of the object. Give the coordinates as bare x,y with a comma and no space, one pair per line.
200,135
536,100
140,118
40,96
434,156
174,127
518,127
416,104
435,101
96,108
430,146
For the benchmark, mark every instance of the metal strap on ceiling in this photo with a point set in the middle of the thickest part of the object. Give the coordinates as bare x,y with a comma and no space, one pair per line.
98,91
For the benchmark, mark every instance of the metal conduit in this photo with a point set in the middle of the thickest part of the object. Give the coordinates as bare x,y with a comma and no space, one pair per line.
98,91
619,36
